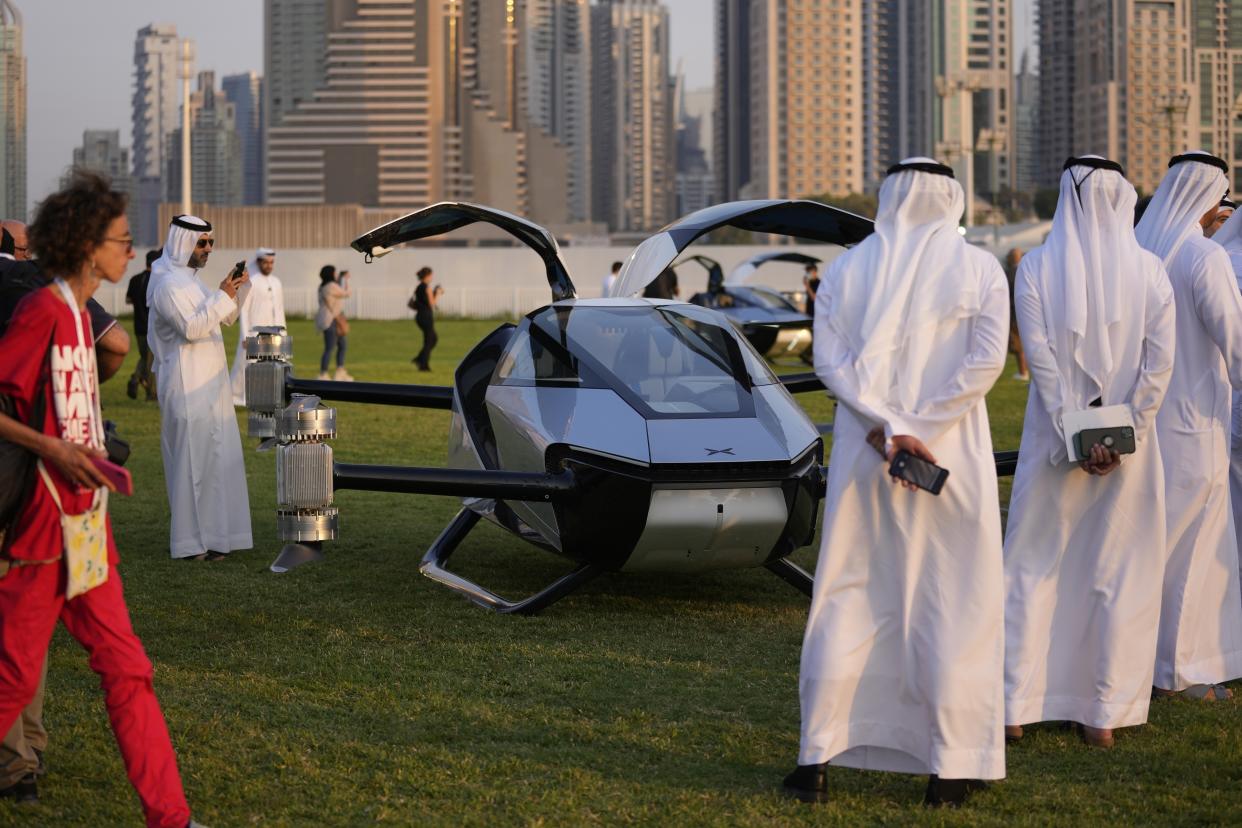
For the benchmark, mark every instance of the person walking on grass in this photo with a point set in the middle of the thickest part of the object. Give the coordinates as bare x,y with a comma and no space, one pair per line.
1012,260
423,303
21,752
331,320
61,559
136,295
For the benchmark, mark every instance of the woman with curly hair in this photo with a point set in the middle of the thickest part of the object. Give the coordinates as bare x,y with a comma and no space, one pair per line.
60,559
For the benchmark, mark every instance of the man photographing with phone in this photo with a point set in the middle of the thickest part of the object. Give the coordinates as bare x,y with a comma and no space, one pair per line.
199,440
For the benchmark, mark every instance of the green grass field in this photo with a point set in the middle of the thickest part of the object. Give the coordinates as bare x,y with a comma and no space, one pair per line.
355,691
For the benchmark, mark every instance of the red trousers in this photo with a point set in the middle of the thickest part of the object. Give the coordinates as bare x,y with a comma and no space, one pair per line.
31,599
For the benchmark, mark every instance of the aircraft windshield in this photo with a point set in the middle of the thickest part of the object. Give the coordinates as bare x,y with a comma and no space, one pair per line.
674,360
762,299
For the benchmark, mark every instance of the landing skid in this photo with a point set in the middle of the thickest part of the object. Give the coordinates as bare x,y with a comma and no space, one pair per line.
434,562
792,574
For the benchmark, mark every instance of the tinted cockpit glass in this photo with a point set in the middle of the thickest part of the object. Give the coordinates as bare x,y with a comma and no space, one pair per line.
672,360
759,298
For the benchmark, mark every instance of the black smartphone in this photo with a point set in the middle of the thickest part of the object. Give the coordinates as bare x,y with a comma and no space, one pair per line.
927,476
1118,438
236,272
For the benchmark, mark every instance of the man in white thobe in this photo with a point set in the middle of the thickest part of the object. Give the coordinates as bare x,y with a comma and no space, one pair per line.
264,305
199,438
902,662
1230,238
1085,542
1200,642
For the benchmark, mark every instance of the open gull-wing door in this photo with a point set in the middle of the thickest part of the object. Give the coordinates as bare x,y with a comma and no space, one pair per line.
447,216
746,269
715,273
783,217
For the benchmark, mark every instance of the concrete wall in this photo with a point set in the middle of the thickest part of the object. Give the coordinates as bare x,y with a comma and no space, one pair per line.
478,281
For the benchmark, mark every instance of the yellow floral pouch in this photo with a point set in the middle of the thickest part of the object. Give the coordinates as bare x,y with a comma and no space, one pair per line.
85,541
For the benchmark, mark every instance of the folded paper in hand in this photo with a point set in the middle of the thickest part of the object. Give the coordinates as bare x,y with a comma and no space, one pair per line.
1072,422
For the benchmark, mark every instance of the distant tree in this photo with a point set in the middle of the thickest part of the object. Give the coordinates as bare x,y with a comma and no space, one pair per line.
1046,202
863,204
730,235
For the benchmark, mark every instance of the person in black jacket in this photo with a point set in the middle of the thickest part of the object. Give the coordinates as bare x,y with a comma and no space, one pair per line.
423,304
136,295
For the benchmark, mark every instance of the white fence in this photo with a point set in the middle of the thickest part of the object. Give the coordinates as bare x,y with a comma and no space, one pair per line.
391,302
478,281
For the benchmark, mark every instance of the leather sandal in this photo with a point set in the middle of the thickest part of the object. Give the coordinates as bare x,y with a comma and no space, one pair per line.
808,783
1208,692
1013,733
1098,737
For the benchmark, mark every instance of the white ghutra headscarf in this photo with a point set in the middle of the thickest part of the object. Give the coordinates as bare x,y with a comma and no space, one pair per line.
1229,236
904,277
1086,268
183,235
1195,183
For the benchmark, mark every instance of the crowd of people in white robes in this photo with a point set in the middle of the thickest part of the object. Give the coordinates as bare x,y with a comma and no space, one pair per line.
931,640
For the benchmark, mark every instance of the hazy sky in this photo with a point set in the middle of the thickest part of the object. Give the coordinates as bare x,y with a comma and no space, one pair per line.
80,61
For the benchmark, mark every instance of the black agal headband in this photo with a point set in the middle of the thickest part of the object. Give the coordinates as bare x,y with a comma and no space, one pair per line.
180,221
922,166
1202,158
1093,163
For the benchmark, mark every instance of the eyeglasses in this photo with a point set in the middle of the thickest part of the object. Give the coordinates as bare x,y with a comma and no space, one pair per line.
205,243
128,241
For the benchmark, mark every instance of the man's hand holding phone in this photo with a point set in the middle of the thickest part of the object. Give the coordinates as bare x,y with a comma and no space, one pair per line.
237,277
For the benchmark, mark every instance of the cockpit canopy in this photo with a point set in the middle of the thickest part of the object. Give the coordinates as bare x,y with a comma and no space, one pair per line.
665,361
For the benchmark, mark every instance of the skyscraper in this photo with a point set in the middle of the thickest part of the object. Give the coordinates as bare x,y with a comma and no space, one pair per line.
1026,127
156,113
215,149
366,133
731,112
1055,135
296,50
789,117
557,63
1140,82
696,185
12,113
420,100
101,152
884,58
961,91
245,92
1216,43
633,119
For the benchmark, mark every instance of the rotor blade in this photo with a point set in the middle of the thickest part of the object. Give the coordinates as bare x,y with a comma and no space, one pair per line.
377,393
501,485
801,383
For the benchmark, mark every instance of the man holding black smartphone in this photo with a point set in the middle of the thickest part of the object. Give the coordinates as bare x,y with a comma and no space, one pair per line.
199,440
902,662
